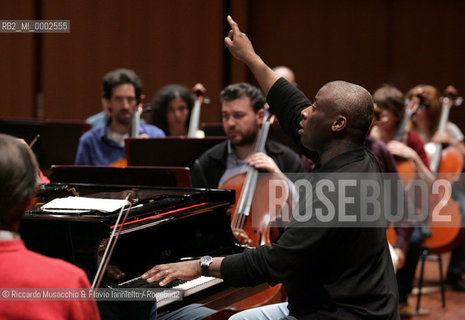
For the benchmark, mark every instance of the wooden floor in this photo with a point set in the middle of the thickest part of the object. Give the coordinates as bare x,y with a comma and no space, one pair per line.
431,295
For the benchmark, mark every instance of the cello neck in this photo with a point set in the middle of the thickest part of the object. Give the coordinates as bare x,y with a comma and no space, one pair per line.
135,123
445,110
447,103
261,140
250,182
411,108
195,118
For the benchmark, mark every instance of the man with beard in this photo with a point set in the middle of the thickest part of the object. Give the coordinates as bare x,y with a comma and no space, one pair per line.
242,112
121,96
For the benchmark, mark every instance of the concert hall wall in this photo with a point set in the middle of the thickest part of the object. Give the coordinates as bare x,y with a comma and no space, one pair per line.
57,76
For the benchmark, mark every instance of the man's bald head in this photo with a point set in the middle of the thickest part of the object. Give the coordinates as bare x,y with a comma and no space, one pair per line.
353,102
286,73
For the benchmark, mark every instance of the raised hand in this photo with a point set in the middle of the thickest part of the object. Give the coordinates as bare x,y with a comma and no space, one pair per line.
239,44
241,48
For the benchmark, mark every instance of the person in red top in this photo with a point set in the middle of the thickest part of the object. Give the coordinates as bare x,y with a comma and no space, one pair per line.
19,267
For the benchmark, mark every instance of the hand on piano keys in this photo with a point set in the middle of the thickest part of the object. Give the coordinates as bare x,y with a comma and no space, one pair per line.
186,270
186,287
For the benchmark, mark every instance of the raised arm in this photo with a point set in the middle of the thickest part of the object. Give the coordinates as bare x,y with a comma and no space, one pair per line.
288,103
241,48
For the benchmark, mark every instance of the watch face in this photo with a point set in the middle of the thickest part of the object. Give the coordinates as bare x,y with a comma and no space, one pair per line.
206,260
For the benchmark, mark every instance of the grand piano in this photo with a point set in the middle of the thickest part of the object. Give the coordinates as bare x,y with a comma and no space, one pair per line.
165,225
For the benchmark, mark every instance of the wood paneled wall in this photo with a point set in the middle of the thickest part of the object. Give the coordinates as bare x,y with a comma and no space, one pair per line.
181,41
17,63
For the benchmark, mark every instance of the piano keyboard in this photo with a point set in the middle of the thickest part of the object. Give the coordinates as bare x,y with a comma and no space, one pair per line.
187,287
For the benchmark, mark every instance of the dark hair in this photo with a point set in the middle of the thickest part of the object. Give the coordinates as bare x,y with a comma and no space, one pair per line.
162,99
432,98
241,90
390,98
18,179
121,76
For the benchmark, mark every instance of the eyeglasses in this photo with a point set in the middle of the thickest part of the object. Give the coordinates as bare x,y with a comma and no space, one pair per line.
120,100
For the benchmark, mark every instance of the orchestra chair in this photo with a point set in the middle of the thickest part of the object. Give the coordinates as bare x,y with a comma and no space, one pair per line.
427,255
170,151
178,177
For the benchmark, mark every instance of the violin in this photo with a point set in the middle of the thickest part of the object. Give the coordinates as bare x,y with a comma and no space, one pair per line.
446,163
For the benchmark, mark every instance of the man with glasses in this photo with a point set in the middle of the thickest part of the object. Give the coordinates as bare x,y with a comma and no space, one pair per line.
121,96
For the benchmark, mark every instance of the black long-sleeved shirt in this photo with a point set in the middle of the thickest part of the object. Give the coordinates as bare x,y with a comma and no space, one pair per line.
329,272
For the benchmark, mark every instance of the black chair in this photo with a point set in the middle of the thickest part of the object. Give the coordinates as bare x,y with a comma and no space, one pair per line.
426,255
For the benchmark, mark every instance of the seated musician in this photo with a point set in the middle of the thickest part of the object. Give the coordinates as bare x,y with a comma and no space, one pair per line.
242,110
172,107
425,123
329,273
391,103
122,94
286,73
19,267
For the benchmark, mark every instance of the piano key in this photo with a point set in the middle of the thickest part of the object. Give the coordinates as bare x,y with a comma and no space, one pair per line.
142,283
188,288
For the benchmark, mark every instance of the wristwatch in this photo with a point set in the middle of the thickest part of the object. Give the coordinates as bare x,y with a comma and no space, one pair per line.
205,263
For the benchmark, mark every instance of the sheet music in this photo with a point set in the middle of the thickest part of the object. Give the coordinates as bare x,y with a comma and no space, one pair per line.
83,204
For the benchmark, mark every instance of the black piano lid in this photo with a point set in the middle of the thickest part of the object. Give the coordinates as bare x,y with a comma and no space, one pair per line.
147,199
197,224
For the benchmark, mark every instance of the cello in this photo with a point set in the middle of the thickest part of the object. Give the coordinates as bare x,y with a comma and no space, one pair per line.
252,214
405,167
135,124
446,163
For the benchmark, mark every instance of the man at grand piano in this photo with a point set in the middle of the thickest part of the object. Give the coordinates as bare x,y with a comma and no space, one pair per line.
122,95
19,267
328,272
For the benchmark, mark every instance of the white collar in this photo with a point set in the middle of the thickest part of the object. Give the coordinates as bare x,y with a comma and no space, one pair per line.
9,235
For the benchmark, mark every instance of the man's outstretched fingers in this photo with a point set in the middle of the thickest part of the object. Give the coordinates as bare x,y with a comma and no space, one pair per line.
234,25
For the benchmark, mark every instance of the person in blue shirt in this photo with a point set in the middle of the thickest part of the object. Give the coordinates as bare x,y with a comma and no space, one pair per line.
121,96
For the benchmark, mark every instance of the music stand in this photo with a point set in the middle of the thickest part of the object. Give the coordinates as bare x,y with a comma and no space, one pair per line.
212,129
171,151
58,138
131,176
